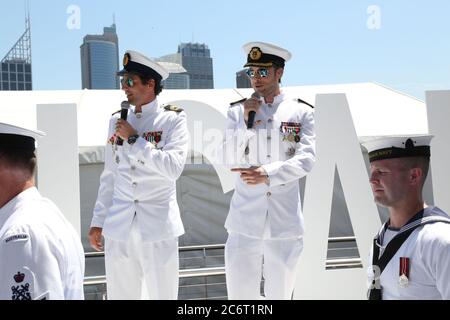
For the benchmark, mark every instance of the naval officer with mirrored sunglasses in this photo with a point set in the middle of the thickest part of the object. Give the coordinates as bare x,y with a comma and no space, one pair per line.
136,209
270,155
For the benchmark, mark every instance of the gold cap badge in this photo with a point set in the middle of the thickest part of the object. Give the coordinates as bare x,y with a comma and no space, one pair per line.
126,59
255,53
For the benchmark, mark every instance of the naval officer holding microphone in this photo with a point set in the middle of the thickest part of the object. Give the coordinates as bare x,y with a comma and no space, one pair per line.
136,209
270,142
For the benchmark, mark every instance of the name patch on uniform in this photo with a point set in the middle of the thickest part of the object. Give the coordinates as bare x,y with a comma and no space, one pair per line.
17,237
153,136
290,131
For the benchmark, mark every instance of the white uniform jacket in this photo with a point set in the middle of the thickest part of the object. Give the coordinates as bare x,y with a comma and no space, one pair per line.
428,250
282,141
41,256
141,178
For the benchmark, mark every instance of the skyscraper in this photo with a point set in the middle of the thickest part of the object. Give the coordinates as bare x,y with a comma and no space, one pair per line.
178,77
197,61
100,60
242,79
15,67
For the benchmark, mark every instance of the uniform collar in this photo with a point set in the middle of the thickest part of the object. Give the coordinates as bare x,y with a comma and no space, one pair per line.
8,209
277,99
149,108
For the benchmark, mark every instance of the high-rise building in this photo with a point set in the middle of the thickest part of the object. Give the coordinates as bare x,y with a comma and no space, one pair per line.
242,79
197,61
15,67
100,60
178,77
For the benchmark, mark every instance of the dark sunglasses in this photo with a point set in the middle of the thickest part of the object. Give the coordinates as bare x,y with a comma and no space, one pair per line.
127,81
262,72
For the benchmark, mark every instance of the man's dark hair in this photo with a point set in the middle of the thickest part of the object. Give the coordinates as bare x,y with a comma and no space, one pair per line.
145,79
19,158
418,162
276,67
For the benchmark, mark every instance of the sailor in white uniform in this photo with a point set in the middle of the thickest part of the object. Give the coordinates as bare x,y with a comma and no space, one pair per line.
265,221
411,252
136,209
41,256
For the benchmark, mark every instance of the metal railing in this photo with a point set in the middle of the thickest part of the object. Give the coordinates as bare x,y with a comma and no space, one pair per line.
338,263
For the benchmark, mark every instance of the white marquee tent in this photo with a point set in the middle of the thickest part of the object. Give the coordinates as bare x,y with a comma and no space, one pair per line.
375,109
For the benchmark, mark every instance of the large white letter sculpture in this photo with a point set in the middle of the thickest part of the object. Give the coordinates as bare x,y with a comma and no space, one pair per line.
58,164
337,146
438,105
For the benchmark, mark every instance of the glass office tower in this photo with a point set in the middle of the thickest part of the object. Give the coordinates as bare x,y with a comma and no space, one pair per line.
15,67
196,59
100,60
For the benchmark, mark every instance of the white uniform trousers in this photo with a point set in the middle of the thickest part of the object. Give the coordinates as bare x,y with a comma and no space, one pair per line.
130,264
247,258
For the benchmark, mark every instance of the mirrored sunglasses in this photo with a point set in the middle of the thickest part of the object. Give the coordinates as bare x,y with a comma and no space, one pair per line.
262,72
127,81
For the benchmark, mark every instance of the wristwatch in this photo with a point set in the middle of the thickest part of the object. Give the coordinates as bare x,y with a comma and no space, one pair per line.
132,139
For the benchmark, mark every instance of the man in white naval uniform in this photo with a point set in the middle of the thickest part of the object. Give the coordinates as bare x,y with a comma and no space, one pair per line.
136,209
41,256
411,252
265,222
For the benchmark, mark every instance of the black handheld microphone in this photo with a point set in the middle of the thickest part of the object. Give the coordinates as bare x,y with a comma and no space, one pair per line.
251,114
125,105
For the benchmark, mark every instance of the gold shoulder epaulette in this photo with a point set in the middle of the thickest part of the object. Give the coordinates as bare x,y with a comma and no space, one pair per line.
236,102
171,107
116,112
303,101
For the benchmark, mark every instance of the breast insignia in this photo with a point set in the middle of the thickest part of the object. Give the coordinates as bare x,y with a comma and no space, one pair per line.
171,107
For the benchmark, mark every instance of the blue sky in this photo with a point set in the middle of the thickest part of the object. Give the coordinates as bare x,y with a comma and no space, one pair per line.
330,40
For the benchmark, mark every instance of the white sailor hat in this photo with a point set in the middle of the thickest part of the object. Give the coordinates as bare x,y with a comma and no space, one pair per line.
18,138
134,61
262,54
388,147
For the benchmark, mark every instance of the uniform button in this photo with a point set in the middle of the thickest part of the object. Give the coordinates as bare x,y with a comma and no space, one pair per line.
133,168
268,156
269,194
139,115
269,137
269,121
269,105
136,201
134,185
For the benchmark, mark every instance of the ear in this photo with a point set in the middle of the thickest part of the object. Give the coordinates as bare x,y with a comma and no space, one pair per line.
415,176
151,83
279,73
